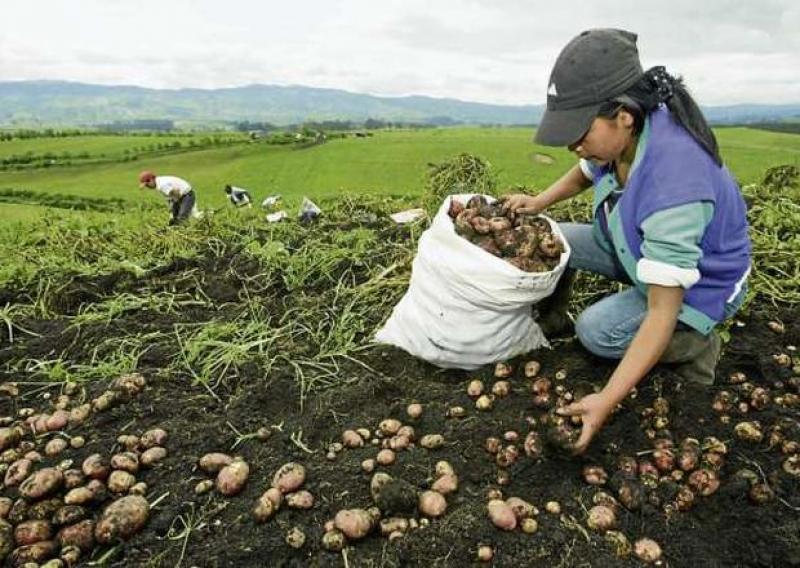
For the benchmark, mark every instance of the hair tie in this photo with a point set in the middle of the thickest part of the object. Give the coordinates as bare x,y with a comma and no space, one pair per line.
662,82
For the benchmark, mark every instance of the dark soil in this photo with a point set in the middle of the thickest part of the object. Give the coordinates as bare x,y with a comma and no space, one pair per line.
184,529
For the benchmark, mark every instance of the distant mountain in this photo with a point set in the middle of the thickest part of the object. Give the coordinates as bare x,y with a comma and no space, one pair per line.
54,103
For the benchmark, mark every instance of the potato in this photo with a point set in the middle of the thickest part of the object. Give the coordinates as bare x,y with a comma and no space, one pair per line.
18,472
414,410
485,553
601,518
521,508
70,555
69,515
55,447
9,437
296,538
125,461
153,438
446,484
432,441
5,506
399,442
57,421
274,495
120,481
129,442
80,534
6,539
333,541
501,515
533,445
42,483
203,487
484,402
18,512
77,442
390,426
94,467
79,414
264,509
73,478
105,401
79,496
122,519
532,369
529,525
351,439
595,475
152,456
231,478
432,503
354,523
300,500
385,457
619,543
139,488
214,462
503,370
393,524
45,509
475,388
501,389
30,532
34,553
647,550
130,384
289,477
377,483
553,507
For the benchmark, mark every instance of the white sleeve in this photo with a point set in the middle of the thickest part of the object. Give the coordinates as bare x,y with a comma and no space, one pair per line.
586,168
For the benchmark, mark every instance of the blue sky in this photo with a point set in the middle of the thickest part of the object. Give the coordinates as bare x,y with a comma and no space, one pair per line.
497,51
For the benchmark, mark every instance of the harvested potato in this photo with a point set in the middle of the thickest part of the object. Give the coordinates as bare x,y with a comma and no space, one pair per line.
264,509
129,442
69,515
203,487
501,515
231,478
475,388
529,525
130,384
57,421
80,534
446,484
601,518
432,441
153,438
214,462
44,510
390,426
414,410
34,553
647,550
55,447
73,478
333,541
30,532
6,538
377,483
296,538
385,457
125,461
353,523
5,506
351,439
521,508
79,414
120,481
300,500
122,519
42,483
79,496
532,369
18,472
392,525
485,553
432,503
94,467
9,437
289,477
152,456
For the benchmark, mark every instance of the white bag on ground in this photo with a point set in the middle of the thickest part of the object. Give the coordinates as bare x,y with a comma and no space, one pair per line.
465,307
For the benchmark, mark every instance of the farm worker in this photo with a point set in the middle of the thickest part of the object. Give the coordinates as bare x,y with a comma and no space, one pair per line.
178,192
238,196
668,217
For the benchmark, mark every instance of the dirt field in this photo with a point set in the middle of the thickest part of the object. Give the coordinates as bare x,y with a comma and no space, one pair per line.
724,529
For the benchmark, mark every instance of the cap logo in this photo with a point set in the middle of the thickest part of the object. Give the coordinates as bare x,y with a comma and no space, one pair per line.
551,90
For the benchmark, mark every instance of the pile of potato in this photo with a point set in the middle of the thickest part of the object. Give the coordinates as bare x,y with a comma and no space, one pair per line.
526,241
56,511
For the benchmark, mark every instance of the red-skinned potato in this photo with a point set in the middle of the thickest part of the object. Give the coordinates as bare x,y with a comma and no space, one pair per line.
353,523
122,519
231,478
501,515
289,477
18,472
446,484
94,467
352,439
80,534
42,483
214,462
30,532
300,500
154,437
432,503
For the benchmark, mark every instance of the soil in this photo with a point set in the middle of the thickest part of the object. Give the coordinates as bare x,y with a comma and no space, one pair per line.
209,530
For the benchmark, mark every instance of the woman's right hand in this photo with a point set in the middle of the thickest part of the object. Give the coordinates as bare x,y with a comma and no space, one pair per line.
521,204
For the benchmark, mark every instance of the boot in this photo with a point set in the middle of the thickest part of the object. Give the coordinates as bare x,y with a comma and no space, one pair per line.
552,311
694,355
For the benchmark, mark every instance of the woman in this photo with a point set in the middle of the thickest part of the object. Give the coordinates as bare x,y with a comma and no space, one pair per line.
668,217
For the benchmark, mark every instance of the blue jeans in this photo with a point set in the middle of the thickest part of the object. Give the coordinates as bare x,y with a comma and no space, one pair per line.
607,327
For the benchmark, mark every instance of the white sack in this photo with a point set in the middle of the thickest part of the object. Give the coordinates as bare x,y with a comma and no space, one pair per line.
465,307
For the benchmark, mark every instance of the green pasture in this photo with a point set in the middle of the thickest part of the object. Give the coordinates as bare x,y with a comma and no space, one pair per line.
388,163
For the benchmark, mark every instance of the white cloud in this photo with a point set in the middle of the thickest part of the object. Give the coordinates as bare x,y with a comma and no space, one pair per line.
496,51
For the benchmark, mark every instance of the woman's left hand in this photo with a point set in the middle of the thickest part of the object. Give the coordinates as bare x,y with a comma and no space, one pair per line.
593,409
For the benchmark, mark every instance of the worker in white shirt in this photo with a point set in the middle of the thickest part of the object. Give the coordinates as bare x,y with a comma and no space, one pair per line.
240,197
179,194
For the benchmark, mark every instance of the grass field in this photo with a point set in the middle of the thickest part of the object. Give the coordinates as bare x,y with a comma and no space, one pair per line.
389,163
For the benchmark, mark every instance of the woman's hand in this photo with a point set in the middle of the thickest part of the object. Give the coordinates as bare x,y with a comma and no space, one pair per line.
593,409
521,204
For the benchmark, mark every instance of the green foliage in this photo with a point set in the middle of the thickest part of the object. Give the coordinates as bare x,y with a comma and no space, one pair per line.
464,173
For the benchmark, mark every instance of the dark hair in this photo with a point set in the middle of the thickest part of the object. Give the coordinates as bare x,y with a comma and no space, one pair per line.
228,189
657,86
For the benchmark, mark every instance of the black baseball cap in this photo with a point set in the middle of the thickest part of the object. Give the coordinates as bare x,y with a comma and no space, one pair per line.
593,68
